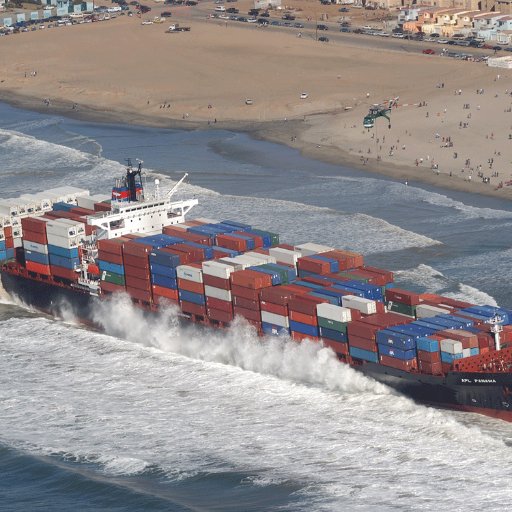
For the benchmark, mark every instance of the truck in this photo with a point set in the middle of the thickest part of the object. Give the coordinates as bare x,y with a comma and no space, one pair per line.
175,27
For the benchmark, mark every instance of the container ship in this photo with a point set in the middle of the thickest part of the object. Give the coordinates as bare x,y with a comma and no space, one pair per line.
66,245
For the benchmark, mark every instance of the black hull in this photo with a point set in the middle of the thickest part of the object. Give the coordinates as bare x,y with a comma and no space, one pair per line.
484,393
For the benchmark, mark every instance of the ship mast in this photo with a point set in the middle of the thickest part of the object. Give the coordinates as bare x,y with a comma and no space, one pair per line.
496,328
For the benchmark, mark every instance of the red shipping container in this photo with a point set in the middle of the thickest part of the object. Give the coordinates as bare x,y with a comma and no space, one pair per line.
33,224
162,291
282,294
217,282
485,340
429,357
138,272
242,302
430,368
32,236
302,317
299,336
8,231
113,245
246,293
251,279
468,340
139,284
136,261
231,242
110,257
111,287
223,305
446,367
363,343
38,268
388,275
309,264
64,273
305,304
190,286
250,314
277,309
400,364
9,243
138,294
102,207
258,241
402,296
82,211
345,259
219,315
262,250
193,309
195,254
337,346
286,246
385,320
185,235
133,248
363,330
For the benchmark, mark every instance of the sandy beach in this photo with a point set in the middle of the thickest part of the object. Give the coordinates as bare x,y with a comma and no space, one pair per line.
452,126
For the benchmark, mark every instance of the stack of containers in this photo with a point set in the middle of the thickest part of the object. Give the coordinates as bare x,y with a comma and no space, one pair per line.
191,289
136,269
402,301
246,287
217,287
35,245
429,355
64,238
397,349
451,350
303,317
6,243
111,264
332,323
163,263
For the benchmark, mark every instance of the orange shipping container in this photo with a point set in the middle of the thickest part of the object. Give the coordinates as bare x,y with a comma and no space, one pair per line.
303,318
190,286
251,279
38,268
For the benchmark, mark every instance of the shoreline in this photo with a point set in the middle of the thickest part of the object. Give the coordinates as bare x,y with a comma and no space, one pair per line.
280,132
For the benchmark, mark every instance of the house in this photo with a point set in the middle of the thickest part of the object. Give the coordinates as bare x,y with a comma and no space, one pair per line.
504,6
2,5
486,24
267,4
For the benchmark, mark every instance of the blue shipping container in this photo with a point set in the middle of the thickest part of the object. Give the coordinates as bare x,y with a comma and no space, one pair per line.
62,207
61,251
446,357
237,224
111,267
164,258
165,281
162,270
196,298
310,330
37,257
395,339
405,355
2,245
60,261
274,330
331,334
365,355
427,345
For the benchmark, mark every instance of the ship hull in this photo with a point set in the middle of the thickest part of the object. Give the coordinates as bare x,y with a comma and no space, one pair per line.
488,394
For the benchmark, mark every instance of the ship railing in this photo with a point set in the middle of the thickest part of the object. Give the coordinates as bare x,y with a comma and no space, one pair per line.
495,361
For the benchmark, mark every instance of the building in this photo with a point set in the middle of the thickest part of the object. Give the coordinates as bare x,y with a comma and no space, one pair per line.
2,5
267,4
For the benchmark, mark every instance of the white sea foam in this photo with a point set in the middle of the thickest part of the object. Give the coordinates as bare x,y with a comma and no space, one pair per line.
127,407
471,294
425,276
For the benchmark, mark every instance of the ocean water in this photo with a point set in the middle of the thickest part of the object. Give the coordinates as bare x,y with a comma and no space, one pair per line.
154,416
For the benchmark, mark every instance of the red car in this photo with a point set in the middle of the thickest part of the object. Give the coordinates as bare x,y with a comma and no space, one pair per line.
429,51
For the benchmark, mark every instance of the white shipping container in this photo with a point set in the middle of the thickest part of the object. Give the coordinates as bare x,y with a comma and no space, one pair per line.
89,201
65,242
2,234
247,261
15,222
34,246
207,221
80,226
237,265
263,257
44,200
285,256
451,346
59,228
332,312
217,293
426,311
189,273
17,232
217,269
66,194
9,208
466,352
29,204
365,306
17,242
309,248
274,319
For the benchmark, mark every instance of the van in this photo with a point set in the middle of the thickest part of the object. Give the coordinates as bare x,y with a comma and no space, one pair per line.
220,8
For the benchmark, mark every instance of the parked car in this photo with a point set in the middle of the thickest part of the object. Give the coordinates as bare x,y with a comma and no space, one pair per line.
343,9
265,14
344,29
429,51
232,10
323,39
298,25
322,27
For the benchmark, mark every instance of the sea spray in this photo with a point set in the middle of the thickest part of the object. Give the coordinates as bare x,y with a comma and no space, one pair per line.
306,362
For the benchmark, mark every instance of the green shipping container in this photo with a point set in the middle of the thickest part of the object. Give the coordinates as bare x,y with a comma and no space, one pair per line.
113,278
404,309
327,323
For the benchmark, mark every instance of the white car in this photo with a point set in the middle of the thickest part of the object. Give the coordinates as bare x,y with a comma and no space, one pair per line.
442,41
303,95
147,22
251,20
